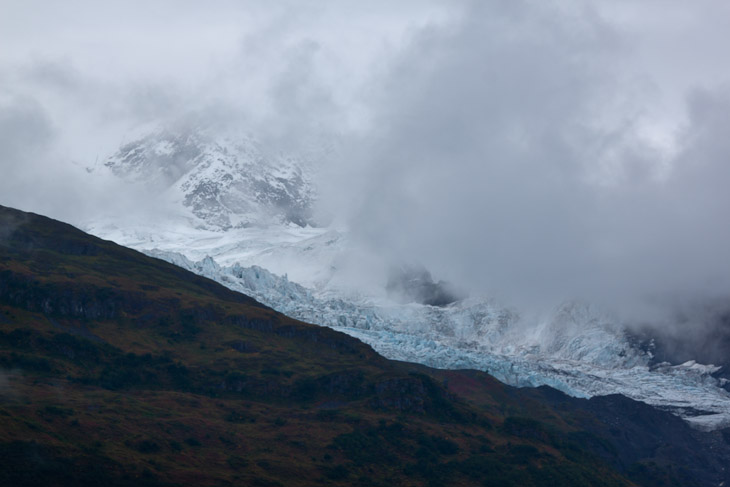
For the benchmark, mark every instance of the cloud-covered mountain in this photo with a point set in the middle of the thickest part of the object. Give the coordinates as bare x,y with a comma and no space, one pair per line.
320,275
224,181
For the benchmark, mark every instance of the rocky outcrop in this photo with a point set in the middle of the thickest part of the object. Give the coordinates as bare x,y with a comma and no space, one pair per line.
414,284
66,301
633,436
405,394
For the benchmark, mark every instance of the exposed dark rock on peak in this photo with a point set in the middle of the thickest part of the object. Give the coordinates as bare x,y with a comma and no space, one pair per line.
414,284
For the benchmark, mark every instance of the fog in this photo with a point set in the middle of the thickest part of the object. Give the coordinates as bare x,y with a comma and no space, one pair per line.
534,152
522,150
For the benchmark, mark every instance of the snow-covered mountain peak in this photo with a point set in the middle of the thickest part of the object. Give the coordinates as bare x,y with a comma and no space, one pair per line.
226,181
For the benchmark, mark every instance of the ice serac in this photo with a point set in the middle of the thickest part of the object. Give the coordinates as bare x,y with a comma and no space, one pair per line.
225,181
252,231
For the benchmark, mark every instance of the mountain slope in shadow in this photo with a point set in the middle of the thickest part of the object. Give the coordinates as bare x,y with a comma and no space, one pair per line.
120,369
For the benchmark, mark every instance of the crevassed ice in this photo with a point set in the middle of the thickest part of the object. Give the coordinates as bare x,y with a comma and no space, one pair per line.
576,349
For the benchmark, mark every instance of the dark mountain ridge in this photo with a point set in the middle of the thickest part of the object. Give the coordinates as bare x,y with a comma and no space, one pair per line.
120,369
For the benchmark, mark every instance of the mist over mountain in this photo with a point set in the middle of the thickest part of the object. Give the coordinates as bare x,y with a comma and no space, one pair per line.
539,155
558,149
322,274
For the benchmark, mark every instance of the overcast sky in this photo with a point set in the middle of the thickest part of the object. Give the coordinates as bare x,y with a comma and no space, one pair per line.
517,146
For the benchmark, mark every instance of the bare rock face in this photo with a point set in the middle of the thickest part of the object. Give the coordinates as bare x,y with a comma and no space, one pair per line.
414,284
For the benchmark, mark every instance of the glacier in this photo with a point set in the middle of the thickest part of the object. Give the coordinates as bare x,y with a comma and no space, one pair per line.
575,348
244,221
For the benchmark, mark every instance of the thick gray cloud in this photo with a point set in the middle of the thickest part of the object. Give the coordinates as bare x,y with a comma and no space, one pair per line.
80,78
95,73
522,150
488,133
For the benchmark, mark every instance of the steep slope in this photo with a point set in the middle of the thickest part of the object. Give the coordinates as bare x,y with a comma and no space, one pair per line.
577,350
125,370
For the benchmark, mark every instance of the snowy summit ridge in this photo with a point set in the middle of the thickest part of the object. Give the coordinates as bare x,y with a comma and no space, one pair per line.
226,182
